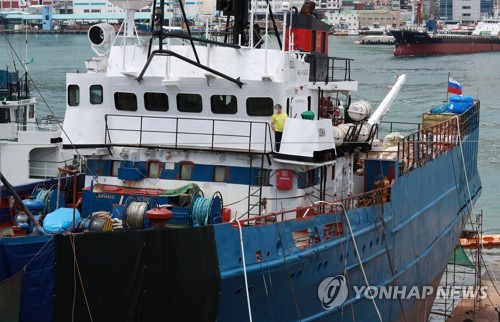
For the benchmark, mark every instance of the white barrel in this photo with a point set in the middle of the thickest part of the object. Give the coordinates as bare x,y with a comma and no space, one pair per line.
359,111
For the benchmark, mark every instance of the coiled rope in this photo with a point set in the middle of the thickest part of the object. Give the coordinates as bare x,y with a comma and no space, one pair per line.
201,211
135,214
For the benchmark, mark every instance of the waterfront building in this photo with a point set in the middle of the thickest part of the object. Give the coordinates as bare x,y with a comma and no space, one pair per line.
343,19
367,18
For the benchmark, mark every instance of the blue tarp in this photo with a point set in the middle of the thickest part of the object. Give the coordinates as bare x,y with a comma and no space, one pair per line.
460,103
36,254
60,220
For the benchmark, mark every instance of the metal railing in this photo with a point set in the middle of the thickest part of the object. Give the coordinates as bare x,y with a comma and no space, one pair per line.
430,142
46,169
368,199
12,128
210,134
339,69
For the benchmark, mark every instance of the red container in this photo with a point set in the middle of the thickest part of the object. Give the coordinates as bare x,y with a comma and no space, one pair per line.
284,179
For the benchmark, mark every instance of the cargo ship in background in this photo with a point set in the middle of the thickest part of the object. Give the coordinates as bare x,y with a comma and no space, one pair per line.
415,42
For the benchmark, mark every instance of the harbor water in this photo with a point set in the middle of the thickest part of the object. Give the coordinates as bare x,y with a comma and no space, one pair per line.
374,67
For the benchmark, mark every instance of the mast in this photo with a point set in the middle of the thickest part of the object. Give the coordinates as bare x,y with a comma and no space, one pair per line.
239,10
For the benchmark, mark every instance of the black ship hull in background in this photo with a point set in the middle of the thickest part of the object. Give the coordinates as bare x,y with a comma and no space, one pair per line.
418,43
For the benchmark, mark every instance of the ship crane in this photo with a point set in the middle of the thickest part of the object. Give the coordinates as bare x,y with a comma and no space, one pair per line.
384,106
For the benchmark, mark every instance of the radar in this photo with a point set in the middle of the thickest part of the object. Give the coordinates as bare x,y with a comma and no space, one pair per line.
131,4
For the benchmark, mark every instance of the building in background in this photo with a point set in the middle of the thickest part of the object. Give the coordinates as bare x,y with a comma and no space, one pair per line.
388,18
343,19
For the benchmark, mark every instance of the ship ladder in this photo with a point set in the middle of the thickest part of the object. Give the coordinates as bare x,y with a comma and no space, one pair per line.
255,205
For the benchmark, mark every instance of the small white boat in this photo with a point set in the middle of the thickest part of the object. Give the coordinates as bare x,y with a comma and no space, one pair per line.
29,147
352,31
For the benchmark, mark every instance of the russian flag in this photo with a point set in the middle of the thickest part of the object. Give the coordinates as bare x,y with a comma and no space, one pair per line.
454,87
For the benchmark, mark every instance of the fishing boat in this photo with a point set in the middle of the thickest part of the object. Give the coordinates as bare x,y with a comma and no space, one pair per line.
191,212
30,146
414,42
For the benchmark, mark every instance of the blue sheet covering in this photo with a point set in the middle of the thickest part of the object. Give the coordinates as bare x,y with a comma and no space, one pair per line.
36,253
60,220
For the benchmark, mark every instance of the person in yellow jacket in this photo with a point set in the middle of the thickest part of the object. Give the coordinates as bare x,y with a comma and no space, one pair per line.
277,124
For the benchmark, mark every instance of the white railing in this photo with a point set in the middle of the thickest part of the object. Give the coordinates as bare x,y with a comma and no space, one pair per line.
9,131
46,169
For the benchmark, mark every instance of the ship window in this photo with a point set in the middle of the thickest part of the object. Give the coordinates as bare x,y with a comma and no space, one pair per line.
4,115
223,104
260,106
95,94
219,173
31,114
154,169
190,103
73,95
307,179
156,102
125,101
186,171
114,168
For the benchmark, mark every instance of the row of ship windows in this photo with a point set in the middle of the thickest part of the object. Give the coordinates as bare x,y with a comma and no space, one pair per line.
220,173
186,102
19,114
154,170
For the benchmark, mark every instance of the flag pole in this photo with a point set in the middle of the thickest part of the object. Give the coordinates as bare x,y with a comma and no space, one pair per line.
447,84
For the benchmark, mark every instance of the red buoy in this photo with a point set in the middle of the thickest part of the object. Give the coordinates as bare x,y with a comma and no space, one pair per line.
159,216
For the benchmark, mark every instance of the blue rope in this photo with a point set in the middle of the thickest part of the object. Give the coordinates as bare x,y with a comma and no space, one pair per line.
201,211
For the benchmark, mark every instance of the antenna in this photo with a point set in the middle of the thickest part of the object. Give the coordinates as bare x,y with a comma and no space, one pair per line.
130,6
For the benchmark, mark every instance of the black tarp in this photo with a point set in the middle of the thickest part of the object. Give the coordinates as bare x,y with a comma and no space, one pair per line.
150,275
10,297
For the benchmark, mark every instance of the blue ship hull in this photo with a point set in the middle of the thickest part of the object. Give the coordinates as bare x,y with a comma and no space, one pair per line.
418,244
405,241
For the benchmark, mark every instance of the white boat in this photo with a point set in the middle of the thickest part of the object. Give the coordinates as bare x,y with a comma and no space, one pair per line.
351,31
29,145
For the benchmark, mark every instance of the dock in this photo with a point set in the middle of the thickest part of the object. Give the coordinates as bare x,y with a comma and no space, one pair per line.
487,310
